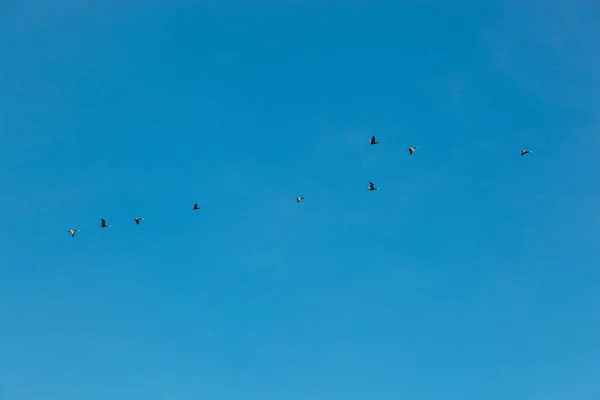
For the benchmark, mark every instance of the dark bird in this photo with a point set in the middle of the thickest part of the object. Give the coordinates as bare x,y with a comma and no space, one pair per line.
525,151
196,207
300,198
372,186
137,220
411,150
73,231
103,224
373,140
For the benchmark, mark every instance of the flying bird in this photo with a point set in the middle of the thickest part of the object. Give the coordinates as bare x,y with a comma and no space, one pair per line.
137,220
373,140
525,151
300,198
372,186
103,224
73,231
411,150
196,207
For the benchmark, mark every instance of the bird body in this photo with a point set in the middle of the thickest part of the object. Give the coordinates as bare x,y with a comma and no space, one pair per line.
300,198
373,140
73,231
196,207
411,150
372,186
525,151
103,223
137,220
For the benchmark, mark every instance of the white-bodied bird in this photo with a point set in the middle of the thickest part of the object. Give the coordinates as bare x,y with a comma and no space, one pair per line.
73,231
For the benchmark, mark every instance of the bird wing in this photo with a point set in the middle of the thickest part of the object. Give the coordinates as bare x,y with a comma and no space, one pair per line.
103,222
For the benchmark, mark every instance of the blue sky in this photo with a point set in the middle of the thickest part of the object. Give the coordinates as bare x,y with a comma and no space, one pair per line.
472,273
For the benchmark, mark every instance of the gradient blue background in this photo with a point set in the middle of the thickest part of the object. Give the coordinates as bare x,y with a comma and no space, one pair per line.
472,274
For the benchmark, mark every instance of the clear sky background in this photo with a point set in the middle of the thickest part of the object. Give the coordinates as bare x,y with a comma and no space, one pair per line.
472,274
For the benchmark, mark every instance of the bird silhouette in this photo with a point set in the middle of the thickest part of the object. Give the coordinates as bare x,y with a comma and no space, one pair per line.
103,224
196,207
300,198
73,231
137,220
411,150
525,151
372,186
373,140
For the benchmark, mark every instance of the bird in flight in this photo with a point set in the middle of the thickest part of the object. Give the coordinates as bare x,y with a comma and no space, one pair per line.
196,207
372,186
137,220
299,199
103,224
73,231
373,140
411,150
525,151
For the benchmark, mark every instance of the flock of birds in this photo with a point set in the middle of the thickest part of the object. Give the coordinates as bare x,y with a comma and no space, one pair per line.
196,207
